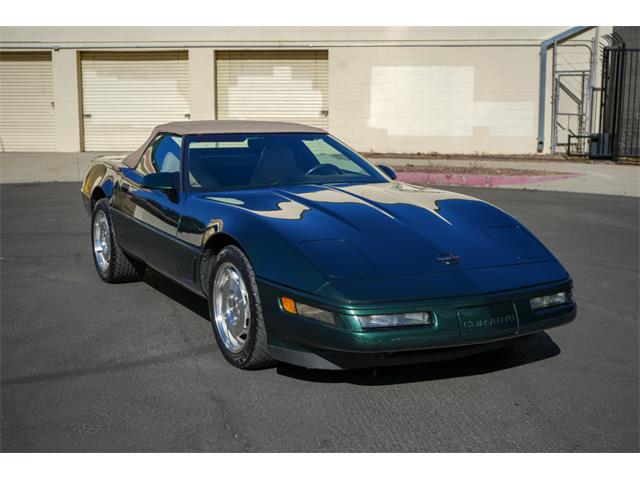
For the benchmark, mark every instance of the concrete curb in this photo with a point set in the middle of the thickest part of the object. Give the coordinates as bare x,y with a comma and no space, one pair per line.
472,180
30,167
602,178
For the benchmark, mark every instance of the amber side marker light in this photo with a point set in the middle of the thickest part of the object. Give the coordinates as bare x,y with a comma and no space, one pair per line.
304,310
289,305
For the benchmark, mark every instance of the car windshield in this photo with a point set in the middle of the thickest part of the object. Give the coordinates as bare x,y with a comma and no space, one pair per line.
238,161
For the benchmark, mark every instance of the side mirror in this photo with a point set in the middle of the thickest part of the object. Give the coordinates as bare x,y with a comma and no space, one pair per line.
160,181
388,171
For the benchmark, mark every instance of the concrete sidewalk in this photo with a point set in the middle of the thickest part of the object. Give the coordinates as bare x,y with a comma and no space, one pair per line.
604,178
38,167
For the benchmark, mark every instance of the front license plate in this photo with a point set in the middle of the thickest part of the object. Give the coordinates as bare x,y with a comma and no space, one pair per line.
488,321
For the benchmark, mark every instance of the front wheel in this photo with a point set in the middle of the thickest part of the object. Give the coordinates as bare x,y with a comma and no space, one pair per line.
112,264
236,313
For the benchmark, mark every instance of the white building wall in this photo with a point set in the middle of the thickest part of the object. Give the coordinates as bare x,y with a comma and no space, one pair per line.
201,82
401,90
66,95
435,99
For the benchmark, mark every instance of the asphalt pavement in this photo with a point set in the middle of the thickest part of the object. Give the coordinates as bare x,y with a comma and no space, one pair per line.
88,366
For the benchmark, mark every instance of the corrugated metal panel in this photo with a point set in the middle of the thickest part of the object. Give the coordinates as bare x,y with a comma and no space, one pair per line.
273,85
27,116
126,94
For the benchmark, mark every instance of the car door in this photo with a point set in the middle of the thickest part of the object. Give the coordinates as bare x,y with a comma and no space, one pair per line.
146,220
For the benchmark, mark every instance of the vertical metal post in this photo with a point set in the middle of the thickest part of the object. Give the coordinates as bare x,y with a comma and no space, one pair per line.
627,107
635,108
581,113
554,100
541,97
619,102
591,80
604,92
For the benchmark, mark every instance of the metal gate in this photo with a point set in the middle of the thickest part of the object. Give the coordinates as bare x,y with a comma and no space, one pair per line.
618,133
572,96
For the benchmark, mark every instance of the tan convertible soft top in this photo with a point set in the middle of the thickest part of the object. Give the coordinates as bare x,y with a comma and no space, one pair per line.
200,127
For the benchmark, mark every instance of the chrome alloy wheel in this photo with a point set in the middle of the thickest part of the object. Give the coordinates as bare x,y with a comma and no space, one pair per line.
231,308
101,240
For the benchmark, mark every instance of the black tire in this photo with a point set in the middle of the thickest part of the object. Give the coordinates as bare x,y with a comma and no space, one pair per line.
254,353
121,268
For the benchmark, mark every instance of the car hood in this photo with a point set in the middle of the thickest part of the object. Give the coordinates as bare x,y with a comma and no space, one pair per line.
389,229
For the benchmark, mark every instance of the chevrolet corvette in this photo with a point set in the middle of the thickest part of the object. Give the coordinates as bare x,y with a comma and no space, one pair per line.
309,254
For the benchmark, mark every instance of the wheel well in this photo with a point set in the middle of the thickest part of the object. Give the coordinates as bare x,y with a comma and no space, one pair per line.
220,240
212,247
96,195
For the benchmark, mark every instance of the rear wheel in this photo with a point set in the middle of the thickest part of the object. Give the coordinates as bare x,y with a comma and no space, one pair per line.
112,264
236,313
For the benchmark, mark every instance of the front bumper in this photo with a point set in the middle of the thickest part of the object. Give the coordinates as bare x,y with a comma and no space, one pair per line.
314,344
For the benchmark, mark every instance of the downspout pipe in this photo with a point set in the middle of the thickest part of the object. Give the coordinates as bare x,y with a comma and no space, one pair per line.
544,46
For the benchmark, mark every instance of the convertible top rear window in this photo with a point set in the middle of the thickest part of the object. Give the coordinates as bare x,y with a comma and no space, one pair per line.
239,161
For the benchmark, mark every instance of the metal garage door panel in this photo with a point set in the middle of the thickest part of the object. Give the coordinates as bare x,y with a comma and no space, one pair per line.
27,116
125,95
288,86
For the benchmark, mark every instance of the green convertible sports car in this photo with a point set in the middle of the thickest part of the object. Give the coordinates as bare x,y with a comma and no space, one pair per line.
310,255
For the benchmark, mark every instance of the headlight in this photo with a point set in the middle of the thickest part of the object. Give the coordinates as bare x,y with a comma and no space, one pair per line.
396,320
559,298
304,310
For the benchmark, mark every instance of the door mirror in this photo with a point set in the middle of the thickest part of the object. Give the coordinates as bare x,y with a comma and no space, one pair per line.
161,181
388,171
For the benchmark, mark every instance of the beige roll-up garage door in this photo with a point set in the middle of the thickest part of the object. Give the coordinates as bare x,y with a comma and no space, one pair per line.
27,117
126,94
290,86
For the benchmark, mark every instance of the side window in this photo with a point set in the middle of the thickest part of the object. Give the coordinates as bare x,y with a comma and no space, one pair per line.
166,154
163,155
145,165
